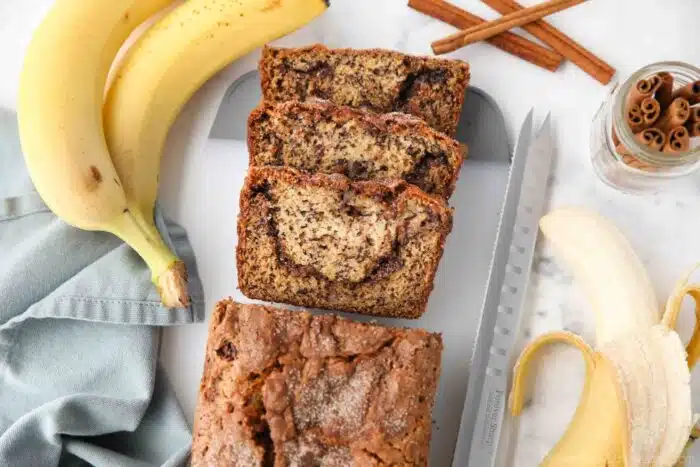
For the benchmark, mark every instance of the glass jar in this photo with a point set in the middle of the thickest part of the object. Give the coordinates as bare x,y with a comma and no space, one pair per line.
639,169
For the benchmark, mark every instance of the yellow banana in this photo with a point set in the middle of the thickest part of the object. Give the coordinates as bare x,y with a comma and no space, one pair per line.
635,408
169,63
60,120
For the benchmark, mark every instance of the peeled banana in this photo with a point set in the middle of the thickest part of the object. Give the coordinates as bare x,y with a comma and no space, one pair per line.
605,265
169,63
60,120
655,383
635,408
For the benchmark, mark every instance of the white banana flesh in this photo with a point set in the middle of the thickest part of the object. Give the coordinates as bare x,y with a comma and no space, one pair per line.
172,59
604,264
634,358
679,424
635,409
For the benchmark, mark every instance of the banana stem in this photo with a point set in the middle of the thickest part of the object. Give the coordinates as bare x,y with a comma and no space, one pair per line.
168,272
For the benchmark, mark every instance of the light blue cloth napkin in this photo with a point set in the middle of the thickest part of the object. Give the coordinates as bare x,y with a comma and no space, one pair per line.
80,382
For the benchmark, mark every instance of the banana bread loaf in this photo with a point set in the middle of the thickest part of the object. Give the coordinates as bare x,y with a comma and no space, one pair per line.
323,241
382,81
286,388
322,137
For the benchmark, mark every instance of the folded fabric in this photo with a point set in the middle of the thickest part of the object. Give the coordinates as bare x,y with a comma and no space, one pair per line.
80,382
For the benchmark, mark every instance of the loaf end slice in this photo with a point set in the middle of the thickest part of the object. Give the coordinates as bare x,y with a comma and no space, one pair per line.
325,242
321,137
382,81
283,387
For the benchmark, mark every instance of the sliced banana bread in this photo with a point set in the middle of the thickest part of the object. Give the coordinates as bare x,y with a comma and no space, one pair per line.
380,80
323,137
323,241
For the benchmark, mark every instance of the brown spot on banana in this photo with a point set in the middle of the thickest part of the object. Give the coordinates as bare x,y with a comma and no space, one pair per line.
271,5
94,178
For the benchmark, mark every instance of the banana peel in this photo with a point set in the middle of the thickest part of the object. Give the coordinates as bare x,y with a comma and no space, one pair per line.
673,309
635,407
595,436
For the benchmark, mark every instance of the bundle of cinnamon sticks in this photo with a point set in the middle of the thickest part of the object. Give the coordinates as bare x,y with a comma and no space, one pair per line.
474,28
661,117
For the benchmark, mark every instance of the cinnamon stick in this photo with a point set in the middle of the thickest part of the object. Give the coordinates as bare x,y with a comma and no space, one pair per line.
635,119
678,140
675,115
486,30
693,123
641,90
694,129
653,138
507,41
560,42
651,110
689,92
655,81
664,92
636,163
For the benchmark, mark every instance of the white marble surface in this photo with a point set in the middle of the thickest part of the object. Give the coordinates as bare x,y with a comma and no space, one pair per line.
627,33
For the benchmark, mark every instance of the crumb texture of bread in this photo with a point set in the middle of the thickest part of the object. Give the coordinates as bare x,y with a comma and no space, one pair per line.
382,81
287,389
321,137
325,242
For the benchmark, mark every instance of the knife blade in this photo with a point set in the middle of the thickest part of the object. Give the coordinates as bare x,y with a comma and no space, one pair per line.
481,435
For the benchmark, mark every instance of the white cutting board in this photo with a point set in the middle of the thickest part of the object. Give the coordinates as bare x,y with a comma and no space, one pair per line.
453,307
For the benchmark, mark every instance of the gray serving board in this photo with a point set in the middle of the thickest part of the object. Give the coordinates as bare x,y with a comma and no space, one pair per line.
457,301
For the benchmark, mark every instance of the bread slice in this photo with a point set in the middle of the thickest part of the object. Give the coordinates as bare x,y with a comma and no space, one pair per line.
382,81
322,137
325,242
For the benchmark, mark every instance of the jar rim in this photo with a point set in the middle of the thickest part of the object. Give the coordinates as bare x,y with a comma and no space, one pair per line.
623,131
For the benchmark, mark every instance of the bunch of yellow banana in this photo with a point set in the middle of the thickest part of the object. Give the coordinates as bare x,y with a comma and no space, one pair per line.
635,408
95,165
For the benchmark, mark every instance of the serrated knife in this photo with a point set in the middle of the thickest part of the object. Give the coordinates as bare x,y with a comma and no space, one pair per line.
481,435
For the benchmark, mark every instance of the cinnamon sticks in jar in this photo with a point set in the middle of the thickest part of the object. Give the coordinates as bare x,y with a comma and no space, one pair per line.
661,118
